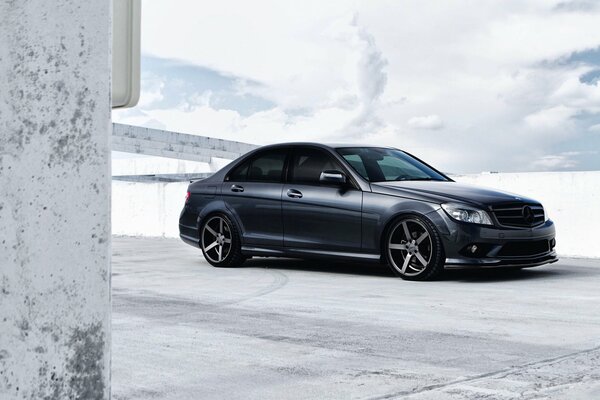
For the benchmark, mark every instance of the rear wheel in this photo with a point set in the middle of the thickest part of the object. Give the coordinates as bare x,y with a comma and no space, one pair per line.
413,249
220,242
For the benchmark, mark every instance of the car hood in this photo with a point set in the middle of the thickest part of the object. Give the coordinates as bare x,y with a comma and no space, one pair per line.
442,192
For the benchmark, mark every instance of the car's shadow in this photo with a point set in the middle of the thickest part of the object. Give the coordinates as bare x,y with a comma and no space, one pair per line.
501,274
467,275
320,266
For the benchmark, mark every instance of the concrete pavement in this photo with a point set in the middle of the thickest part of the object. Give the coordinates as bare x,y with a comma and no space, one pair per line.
288,329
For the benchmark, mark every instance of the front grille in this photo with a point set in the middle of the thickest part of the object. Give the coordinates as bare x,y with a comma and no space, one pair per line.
513,214
524,248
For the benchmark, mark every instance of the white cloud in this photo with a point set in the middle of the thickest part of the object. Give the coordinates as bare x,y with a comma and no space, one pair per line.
263,127
151,92
360,70
550,118
594,128
371,82
432,122
555,161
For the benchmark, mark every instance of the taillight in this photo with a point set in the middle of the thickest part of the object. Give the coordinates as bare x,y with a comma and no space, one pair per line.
187,197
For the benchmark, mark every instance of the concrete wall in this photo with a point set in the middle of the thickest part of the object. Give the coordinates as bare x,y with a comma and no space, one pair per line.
122,164
571,198
147,209
54,199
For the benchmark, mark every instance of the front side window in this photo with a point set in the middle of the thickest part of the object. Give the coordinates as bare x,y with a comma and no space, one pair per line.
385,165
264,167
308,164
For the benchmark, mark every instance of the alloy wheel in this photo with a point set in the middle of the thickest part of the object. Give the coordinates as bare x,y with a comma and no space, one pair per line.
410,247
216,239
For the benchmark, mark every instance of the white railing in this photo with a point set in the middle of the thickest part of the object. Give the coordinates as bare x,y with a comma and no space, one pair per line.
173,145
181,146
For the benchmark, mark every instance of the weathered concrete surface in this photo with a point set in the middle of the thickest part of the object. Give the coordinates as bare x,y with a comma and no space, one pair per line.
284,329
54,199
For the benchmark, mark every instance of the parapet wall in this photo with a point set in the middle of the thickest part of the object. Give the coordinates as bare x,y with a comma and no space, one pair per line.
572,200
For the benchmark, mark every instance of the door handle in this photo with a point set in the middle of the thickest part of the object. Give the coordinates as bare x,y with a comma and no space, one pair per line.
294,194
237,188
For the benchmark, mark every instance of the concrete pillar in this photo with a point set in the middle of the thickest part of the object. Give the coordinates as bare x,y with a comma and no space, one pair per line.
54,199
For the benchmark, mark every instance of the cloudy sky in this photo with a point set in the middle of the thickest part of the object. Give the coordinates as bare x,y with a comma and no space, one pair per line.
507,85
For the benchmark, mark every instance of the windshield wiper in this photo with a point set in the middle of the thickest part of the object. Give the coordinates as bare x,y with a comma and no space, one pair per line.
412,179
419,179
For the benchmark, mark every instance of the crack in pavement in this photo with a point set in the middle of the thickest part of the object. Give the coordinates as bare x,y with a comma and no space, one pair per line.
279,281
501,373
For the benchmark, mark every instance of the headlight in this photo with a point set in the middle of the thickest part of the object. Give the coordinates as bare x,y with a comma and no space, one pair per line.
464,213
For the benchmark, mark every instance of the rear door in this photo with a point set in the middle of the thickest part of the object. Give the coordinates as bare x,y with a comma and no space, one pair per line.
252,191
315,215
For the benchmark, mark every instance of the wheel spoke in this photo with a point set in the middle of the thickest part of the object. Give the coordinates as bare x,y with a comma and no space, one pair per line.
414,268
210,246
422,237
406,261
421,259
220,229
211,230
406,231
413,250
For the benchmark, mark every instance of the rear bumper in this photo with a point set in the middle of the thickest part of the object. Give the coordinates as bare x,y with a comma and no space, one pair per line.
190,240
188,231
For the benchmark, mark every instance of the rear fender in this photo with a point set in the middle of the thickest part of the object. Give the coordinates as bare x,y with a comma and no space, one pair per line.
215,206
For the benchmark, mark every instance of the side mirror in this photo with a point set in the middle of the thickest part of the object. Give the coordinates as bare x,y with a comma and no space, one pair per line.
332,176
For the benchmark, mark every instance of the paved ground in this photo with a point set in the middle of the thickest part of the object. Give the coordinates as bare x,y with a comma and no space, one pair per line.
291,329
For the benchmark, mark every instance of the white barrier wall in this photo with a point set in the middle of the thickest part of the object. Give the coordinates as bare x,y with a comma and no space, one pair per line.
571,198
147,209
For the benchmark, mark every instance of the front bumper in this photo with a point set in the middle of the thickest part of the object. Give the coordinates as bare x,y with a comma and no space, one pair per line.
522,262
498,246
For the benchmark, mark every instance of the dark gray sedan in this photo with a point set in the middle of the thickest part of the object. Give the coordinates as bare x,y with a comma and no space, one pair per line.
359,203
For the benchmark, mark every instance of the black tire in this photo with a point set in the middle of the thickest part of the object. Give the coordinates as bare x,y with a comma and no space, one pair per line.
415,237
219,231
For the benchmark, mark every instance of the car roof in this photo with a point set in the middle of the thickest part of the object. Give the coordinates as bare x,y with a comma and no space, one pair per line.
323,145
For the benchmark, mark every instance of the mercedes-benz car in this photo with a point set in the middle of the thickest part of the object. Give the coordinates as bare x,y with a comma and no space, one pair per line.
360,203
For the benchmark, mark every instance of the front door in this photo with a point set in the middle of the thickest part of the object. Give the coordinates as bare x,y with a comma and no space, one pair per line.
319,216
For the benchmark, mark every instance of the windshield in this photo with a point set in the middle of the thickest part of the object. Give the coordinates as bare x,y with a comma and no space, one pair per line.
386,165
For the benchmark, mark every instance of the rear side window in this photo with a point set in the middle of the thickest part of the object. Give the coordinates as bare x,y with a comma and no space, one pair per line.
308,165
239,173
264,167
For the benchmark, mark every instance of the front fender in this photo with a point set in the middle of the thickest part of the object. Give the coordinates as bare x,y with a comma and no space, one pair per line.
380,210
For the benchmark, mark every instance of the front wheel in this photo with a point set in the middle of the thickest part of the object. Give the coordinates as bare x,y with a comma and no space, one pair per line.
220,242
413,249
